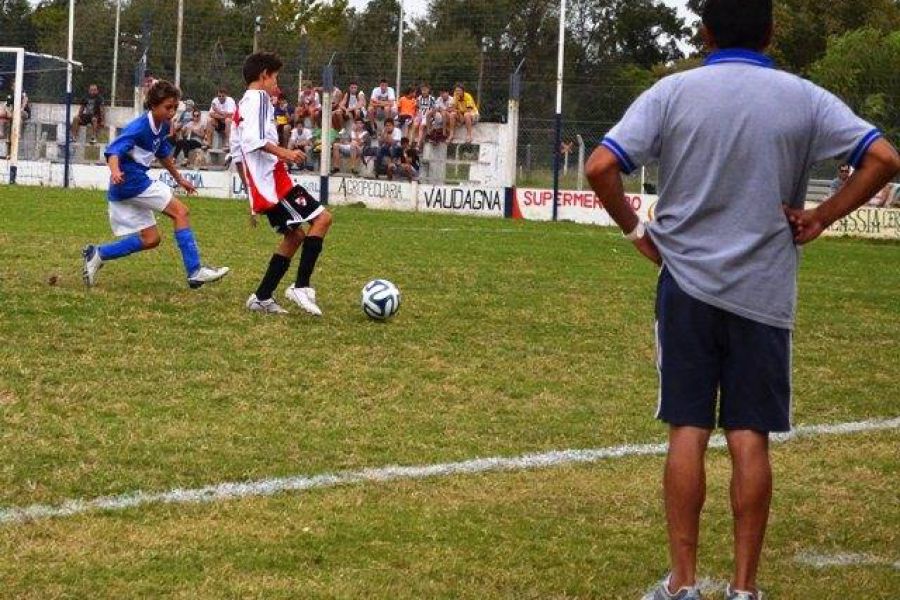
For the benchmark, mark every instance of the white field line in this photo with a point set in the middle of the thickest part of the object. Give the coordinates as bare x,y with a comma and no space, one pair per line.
843,559
269,487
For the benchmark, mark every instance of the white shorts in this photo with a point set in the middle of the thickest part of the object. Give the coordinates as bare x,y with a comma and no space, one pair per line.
138,213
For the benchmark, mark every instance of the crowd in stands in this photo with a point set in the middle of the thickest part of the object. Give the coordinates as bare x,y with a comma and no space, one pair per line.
384,132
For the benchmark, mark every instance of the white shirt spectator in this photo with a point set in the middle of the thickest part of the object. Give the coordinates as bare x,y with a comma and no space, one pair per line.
226,106
379,95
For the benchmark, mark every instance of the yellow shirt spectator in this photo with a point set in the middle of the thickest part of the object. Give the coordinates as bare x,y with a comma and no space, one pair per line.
465,103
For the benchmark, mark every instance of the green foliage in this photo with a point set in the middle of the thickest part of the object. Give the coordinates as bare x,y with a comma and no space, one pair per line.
863,68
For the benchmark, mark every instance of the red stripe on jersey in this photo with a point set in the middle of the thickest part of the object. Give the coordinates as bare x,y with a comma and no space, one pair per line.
283,181
283,185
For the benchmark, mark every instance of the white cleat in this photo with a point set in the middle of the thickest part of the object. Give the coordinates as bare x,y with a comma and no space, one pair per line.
206,275
267,307
92,264
305,298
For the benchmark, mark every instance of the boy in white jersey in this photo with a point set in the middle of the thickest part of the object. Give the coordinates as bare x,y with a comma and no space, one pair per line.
424,111
273,193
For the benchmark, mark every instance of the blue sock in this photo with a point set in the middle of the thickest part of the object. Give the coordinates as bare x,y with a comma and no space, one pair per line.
189,252
121,247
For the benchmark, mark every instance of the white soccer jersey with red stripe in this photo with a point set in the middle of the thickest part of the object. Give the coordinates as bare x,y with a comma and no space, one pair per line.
267,177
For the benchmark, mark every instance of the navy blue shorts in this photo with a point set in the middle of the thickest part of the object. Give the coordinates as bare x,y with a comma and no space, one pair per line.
706,354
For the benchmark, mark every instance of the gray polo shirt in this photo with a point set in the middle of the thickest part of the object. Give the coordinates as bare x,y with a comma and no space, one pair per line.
735,140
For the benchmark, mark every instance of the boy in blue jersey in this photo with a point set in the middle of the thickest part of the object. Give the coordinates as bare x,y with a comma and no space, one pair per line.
134,198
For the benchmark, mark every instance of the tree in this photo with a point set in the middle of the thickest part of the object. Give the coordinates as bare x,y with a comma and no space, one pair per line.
862,67
802,27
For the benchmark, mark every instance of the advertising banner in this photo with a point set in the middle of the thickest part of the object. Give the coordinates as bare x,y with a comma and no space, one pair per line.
373,193
867,222
462,200
576,206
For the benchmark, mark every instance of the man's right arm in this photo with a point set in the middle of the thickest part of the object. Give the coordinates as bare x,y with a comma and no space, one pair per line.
879,165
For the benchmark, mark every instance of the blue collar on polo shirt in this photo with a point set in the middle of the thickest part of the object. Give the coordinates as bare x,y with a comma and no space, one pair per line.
739,55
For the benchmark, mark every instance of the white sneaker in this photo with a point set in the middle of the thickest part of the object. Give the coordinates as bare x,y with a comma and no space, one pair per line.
92,264
269,307
305,299
206,275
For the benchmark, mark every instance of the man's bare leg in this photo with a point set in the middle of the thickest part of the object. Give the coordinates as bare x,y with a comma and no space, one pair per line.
684,484
751,495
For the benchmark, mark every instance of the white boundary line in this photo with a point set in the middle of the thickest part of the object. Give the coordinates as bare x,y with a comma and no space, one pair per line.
269,487
843,559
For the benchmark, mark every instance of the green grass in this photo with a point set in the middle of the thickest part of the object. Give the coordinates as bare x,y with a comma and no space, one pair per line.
543,179
514,337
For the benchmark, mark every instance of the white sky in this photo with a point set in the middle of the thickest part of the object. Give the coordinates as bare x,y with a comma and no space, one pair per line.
418,7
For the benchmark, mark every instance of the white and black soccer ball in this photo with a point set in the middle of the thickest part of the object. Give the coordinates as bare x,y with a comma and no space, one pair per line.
380,299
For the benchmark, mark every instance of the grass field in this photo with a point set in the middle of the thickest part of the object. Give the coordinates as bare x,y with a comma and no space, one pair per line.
514,337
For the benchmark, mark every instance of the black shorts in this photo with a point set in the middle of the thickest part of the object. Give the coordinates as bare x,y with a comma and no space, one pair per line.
295,209
219,124
85,119
403,120
705,354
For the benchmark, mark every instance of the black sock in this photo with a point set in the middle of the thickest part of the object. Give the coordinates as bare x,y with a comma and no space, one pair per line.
312,246
278,266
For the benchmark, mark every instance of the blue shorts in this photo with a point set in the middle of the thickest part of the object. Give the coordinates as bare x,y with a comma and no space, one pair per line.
706,354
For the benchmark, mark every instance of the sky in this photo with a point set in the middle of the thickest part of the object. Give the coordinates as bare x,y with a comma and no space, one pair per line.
418,7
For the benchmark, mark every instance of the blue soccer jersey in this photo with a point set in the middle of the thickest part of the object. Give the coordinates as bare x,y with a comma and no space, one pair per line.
136,146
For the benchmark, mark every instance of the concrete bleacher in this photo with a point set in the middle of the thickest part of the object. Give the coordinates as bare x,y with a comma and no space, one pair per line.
818,190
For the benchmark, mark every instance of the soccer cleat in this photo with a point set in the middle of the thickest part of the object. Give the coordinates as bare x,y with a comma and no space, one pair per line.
661,592
92,264
305,298
732,594
268,307
206,275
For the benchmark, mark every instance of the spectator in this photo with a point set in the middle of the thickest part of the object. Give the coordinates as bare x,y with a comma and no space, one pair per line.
838,182
186,115
407,109
352,146
302,139
382,103
221,111
440,116
283,117
190,136
887,197
337,117
353,104
464,110
424,113
388,143
90,113
405,160
148,82
5,116
7,110
309,106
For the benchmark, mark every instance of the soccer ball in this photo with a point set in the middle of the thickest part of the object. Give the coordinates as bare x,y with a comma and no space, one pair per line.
380,299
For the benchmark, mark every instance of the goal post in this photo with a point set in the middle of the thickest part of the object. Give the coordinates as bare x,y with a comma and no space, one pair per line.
16,122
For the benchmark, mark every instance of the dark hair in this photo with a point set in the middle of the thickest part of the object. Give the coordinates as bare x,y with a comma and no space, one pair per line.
389,120
382,80
738,23
255,64
404,140
159,92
